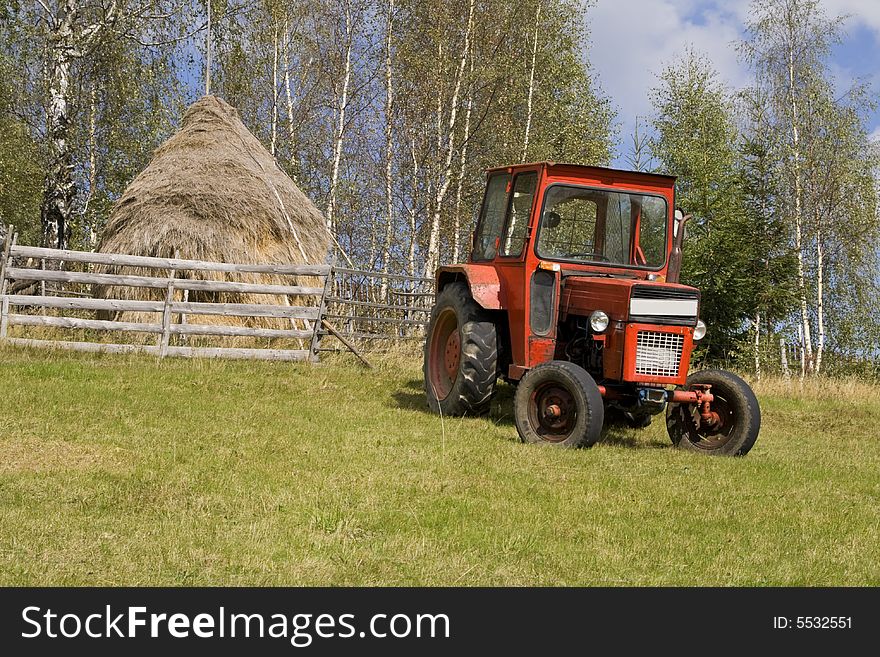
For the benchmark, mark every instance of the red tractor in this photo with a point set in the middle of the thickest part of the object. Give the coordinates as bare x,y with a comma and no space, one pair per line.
571,293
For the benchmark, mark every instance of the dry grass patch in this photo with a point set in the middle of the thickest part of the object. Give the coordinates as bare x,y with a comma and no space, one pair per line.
46,456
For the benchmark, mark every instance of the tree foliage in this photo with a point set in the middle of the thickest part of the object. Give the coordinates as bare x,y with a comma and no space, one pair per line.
729,248
782,181
387,113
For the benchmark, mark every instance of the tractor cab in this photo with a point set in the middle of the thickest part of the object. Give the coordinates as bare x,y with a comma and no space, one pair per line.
588,217
574,273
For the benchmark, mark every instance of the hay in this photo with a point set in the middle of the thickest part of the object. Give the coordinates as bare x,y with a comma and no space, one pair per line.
212,192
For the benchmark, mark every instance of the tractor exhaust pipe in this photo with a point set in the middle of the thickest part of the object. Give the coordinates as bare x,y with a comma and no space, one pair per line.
674,270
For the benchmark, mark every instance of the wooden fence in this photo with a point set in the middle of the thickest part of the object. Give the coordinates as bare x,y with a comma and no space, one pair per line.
57,289
27,301
369,305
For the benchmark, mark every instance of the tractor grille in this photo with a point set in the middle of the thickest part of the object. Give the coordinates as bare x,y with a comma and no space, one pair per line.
658,353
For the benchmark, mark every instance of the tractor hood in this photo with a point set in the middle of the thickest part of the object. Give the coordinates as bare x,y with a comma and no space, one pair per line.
630,300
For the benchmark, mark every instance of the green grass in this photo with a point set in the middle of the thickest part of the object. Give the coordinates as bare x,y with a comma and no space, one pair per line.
129,470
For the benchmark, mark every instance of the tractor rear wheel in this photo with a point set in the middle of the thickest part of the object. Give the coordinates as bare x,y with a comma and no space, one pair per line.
461,354
739,417
558,403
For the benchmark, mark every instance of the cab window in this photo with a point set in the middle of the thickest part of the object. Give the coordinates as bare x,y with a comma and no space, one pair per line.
581,224
518,213
491,217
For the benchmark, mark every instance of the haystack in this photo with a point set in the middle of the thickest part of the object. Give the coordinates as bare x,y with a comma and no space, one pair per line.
212,192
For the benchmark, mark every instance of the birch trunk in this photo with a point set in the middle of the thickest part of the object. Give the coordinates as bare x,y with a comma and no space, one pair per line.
208,47
371,252
783,359
820,295
801,352
90,226
462,163
289,96
68,40
433,258
273,145
528,129
806,340
389,152
59,188
413,228
438,132
758,344
339,137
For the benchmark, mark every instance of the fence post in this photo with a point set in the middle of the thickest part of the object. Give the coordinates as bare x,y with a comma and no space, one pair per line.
4,257
165,338
4,260
784,358
4,316
166,321
322,309
43,281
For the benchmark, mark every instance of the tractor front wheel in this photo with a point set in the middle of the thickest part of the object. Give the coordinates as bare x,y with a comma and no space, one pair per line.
558,403
736,420
461,354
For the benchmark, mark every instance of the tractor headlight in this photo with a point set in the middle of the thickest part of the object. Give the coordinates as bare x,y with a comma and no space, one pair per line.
700,330
598,321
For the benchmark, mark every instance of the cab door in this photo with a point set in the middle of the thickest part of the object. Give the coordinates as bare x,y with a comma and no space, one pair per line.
511,257
487,236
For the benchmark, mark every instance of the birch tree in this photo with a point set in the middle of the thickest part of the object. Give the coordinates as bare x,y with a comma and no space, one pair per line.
826,174
445,174
75,34
531,92
275,56
389,145
462,164
71,34
788,39
341,107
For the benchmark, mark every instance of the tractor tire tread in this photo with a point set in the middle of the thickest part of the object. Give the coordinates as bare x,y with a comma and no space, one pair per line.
741,396
473,389
588,430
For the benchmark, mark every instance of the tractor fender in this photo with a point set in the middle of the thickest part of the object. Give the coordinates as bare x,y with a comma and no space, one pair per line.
482,280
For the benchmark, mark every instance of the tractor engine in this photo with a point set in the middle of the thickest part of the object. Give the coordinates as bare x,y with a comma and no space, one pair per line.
575,344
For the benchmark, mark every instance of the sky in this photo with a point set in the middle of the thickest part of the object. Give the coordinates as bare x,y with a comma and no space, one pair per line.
633,40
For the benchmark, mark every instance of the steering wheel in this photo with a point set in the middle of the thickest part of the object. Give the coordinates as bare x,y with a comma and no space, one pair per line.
590,255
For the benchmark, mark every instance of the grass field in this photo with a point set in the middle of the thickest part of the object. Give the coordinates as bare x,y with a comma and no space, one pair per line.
129,470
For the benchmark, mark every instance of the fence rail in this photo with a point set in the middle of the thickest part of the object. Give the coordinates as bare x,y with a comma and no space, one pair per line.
39,253
64,289
373,305
157,283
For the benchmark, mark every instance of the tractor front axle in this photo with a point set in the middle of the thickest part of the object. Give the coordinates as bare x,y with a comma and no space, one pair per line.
700,396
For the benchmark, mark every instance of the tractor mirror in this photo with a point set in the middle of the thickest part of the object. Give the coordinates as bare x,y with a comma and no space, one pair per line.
679,215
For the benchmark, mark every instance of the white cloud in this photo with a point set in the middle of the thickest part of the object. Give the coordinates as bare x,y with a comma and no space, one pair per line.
633,40
861,12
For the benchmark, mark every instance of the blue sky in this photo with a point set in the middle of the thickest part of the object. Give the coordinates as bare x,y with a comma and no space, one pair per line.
632,40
